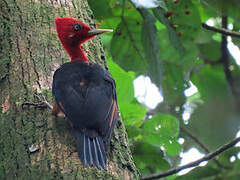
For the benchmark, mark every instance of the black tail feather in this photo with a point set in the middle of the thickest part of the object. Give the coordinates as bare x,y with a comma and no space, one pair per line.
96,154
81,147
102,152
84,155
91,151
90,156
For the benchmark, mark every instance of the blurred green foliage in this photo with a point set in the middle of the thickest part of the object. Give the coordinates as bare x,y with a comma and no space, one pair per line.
169,44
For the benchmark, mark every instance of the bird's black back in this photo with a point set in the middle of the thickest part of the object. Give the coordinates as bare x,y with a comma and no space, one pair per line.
86,92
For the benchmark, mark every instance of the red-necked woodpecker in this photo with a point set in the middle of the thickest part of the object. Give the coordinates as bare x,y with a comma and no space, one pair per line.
85,93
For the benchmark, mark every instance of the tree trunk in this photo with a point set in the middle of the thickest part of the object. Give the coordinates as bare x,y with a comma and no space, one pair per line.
33,144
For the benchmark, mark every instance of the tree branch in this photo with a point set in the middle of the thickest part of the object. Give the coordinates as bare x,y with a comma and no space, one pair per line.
203,146
223,31
226,62
207,157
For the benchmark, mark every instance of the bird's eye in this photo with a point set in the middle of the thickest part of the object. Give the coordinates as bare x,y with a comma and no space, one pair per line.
77,27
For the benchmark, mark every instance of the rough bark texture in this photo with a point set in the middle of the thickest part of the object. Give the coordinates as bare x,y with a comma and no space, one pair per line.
29,53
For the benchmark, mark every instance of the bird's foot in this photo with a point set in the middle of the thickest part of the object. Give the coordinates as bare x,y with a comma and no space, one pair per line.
43,103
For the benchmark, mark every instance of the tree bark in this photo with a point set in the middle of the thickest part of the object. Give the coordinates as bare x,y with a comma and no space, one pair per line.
33,144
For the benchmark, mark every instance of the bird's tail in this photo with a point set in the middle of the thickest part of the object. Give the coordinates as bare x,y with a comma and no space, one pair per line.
91,151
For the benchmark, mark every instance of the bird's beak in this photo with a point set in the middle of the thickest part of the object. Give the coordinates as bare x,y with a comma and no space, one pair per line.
98,31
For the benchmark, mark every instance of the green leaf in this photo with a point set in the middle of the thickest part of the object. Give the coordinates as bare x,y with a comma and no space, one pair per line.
134,132
172,147
171,55
173,37
132,114
160,129
225,156
230,7
148,157
106,40
173,84
101,9
204,36
211,82
126,48
185,17
124,82
211,50
150,46
205,13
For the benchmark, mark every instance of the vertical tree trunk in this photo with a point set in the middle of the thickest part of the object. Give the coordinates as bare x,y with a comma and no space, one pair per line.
34,145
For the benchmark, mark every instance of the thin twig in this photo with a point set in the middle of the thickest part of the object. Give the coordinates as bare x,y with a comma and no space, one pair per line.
221,30
207,157
203,146
43,102
194,138
37,105
225,60
225,56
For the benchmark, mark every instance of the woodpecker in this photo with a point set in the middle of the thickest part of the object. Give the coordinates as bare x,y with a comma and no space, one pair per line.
86,93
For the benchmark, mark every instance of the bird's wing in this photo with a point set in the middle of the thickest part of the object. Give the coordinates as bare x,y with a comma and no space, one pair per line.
113,109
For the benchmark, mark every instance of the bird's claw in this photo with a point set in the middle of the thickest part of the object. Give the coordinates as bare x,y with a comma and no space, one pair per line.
43,102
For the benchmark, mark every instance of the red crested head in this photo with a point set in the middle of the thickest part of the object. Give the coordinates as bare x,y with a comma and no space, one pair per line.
73,33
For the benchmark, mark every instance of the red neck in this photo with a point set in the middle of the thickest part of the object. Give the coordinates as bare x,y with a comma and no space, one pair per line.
77,54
